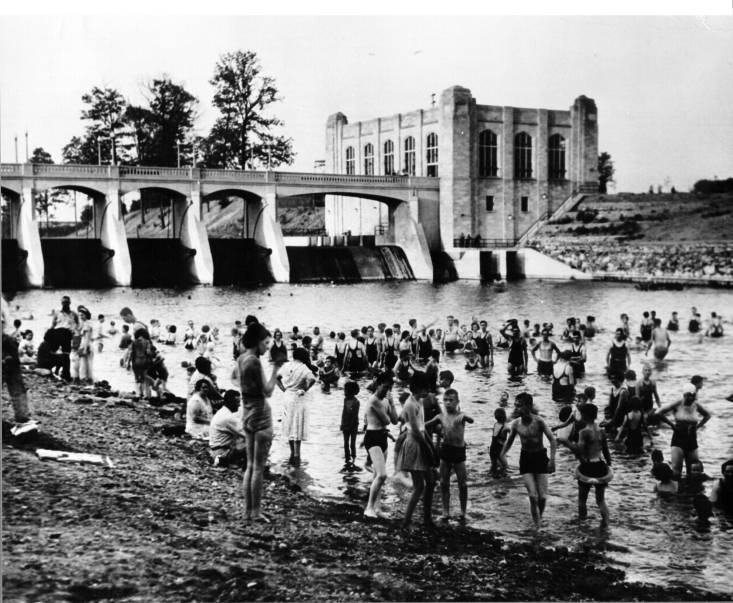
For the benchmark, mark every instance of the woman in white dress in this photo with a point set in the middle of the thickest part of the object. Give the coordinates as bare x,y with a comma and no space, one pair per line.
295,378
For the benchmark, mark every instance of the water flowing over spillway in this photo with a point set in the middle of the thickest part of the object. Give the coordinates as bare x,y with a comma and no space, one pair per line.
347,264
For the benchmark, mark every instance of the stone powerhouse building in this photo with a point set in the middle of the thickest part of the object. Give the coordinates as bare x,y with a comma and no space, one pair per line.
501,169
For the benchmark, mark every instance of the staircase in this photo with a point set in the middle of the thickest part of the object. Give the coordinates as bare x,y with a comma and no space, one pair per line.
566,206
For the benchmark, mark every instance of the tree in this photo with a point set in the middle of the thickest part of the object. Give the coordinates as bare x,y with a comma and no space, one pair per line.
46,200
605,171
106,111
166,121
40,156
242,136
85,150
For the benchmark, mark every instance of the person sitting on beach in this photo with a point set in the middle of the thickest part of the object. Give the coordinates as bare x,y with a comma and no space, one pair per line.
48,356
227,440
499,433
26,349
533,462
595,463
170,337
452,451
203,371
199,411
722,493
189,336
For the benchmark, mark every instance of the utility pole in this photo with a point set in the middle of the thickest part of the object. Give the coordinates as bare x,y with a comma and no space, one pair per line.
16,148
26,146
99,152
178,154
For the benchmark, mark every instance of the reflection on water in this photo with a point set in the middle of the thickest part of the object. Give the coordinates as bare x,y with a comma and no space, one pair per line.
654,540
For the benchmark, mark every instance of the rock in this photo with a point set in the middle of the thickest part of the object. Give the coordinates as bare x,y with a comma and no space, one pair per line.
42,372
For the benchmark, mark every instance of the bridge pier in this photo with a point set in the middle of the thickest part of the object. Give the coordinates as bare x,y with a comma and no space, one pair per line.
409,234
29,240
111,230
192,232
268,234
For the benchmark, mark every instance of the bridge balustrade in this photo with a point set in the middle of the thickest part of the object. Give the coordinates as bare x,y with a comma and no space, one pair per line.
137,170
234,175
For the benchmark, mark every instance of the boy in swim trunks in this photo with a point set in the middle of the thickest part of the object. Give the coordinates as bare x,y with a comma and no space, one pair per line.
452,451
533,462
592,470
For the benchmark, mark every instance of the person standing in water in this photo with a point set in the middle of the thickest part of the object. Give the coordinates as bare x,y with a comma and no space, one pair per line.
595,463
687,413
546,348
660,340
618,358
533,462
380,413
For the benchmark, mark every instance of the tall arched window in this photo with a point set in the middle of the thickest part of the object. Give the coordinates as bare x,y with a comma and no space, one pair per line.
522,155
410,156
556,159
488,155
369,159
432,155
388,158
350,161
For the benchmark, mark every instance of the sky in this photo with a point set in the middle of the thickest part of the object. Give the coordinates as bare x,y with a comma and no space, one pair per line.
663,84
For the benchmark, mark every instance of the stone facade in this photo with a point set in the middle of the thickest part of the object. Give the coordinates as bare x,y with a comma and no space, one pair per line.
478,196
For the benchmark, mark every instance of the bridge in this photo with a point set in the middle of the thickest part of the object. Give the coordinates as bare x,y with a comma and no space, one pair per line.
413,204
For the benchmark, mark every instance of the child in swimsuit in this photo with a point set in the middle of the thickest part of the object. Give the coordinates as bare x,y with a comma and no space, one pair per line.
452,451
498,436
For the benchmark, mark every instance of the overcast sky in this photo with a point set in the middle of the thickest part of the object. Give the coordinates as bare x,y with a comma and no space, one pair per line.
663,85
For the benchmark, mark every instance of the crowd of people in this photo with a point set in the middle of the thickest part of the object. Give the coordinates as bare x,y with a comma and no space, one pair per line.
684,260
400,368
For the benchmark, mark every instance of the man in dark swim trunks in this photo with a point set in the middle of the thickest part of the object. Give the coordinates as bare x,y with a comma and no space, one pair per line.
684,437
533,462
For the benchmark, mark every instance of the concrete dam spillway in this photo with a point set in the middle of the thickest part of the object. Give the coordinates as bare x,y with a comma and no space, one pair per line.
348,264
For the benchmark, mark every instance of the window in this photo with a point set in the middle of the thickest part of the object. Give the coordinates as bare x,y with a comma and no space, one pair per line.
522,155
432,155
409,156
524,204
489,202
389,158
369,159
488,155
350,161
556,159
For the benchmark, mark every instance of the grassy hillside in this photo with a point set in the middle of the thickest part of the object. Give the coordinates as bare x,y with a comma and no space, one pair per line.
225,221
647,218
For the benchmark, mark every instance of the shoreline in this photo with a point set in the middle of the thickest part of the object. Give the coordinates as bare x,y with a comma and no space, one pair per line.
163,525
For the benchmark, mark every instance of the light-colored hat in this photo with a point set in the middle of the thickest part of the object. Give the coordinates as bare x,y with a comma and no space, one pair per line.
689,389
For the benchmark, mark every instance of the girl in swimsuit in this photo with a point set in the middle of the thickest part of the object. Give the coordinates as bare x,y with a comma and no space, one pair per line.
389,356
340,350
372,348
618,358
563,379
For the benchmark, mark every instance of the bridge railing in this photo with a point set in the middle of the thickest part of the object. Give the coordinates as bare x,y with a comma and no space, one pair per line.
265,177
481,243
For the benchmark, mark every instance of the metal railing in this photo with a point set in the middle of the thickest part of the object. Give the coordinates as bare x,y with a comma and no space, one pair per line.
481,243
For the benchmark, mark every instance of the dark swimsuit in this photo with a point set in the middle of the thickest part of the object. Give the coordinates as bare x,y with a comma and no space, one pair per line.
684,436
390,353
423,348
356,359
533,462
635,439
452,454
516,355
278,353
372,352
595,469
576,360
376,437
617,365
645,392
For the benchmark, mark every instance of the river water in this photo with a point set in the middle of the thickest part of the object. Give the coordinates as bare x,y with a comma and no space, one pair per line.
653,540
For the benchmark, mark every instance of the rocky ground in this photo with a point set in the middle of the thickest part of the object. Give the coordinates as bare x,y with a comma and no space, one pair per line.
162,525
